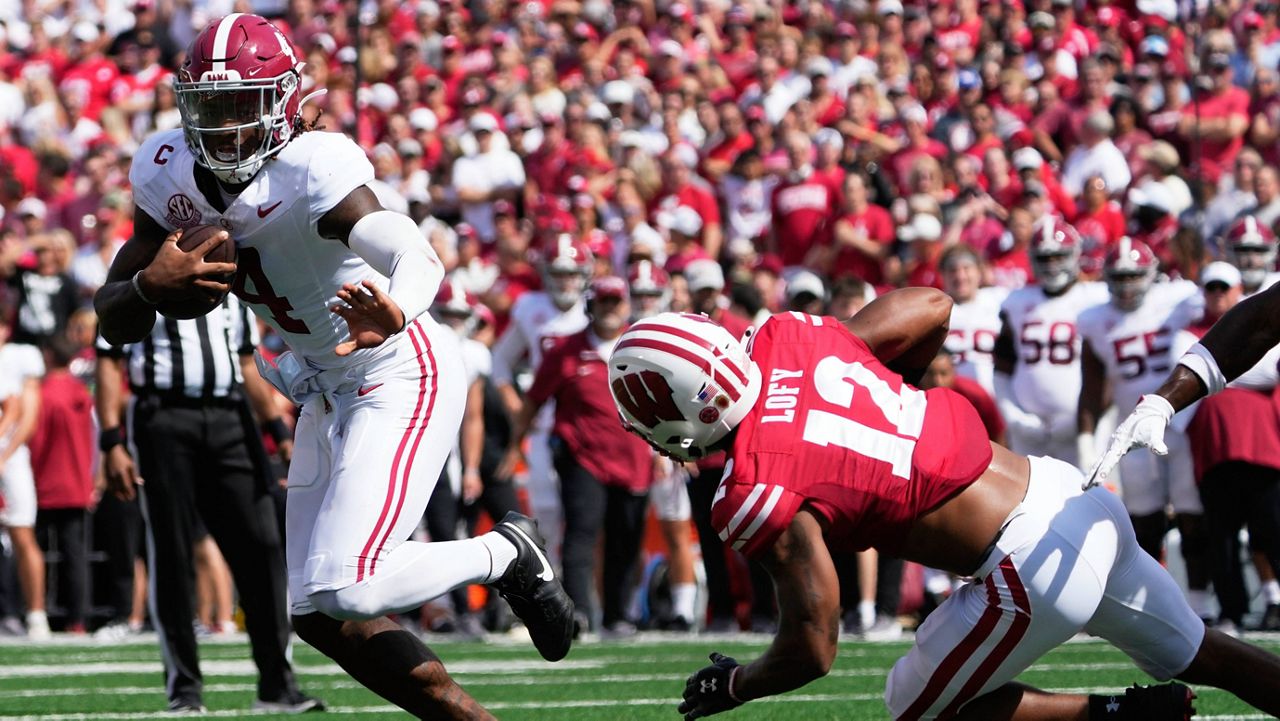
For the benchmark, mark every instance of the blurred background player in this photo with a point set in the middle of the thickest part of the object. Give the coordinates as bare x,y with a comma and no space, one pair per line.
1128,348
604,471
650,289
1251,247
975,315
1037,354
537,319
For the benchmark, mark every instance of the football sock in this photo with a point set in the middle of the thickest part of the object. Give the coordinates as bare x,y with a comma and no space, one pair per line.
1271,591
409,576
682,598
867,613
502,551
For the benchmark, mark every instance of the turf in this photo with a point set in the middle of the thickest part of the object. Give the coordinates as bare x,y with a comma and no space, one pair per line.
615,681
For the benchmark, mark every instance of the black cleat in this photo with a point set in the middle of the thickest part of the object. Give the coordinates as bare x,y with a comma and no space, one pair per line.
531,588
1270,618
1166,702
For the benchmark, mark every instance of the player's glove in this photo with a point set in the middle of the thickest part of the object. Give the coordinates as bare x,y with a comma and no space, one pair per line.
709,691
1143,428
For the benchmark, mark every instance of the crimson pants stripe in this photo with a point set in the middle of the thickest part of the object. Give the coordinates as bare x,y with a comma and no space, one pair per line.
1017,629
951,665
413,452
391,480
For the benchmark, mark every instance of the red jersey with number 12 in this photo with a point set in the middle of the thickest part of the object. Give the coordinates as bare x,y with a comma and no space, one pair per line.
836,429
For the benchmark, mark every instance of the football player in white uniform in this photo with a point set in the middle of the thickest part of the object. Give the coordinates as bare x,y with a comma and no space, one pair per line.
1037,356
1128,348
975,315
347,285
650,289
537,319
1251,248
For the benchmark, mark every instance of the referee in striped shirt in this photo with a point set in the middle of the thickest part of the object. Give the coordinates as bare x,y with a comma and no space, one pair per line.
199,458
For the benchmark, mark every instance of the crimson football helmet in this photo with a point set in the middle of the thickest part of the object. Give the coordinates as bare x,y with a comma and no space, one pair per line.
1055,254
566,265
1130,269
650,289
1251,247
239,95
455,307
682,382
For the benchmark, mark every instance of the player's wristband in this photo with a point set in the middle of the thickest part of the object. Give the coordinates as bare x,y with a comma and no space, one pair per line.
276,428
137,288
109,438
733,676
1200,361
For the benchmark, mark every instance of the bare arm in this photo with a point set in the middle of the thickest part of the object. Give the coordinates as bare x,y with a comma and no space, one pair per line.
808,594
472,444
28,416
119,470
519,429
905,328
262,398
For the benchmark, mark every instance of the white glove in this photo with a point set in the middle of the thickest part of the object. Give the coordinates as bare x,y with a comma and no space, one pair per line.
1144,427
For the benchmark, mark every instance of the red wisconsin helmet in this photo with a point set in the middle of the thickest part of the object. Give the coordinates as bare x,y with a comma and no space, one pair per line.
566,265
238,94
1130,270
1055,254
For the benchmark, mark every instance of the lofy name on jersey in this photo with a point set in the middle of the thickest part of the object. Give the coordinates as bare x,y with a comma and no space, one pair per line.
779,399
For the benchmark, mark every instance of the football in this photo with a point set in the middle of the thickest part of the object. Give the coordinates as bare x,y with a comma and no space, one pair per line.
199,302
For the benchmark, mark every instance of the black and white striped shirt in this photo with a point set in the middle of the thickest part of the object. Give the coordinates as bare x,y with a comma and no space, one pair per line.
197,358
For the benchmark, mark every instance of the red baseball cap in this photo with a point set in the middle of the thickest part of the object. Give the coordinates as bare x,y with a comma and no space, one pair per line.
608,286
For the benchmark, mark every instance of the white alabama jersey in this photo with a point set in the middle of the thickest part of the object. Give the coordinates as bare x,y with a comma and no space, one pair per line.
1267,282
288,274
1046,380
975,325
534,321
476,359
1138,347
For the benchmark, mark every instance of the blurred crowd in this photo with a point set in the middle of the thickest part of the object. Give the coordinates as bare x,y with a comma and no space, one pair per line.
737,158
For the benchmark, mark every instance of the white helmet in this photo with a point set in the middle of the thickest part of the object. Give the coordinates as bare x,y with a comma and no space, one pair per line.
682,382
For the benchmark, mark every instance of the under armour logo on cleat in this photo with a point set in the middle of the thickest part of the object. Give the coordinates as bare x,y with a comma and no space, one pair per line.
1113,705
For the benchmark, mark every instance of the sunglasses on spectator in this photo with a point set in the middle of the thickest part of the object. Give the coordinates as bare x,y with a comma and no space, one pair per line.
1216,286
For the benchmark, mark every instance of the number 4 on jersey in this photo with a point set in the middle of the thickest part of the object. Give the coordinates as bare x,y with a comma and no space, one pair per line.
249,266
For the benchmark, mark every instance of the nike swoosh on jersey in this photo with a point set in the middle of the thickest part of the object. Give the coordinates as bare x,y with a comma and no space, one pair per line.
547,574
366,390
264,212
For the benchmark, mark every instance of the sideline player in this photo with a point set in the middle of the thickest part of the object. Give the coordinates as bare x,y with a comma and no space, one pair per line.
830,447
1037,355
347,284
1128,348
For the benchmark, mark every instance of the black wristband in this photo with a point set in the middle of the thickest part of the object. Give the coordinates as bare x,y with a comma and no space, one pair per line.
109,438
277,429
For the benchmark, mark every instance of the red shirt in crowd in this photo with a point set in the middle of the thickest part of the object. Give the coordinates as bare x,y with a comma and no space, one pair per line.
62,453
695,194
803,216
786,456
1217,156
877,224
574,374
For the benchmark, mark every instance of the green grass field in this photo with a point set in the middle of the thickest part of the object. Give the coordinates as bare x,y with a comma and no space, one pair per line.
620,681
